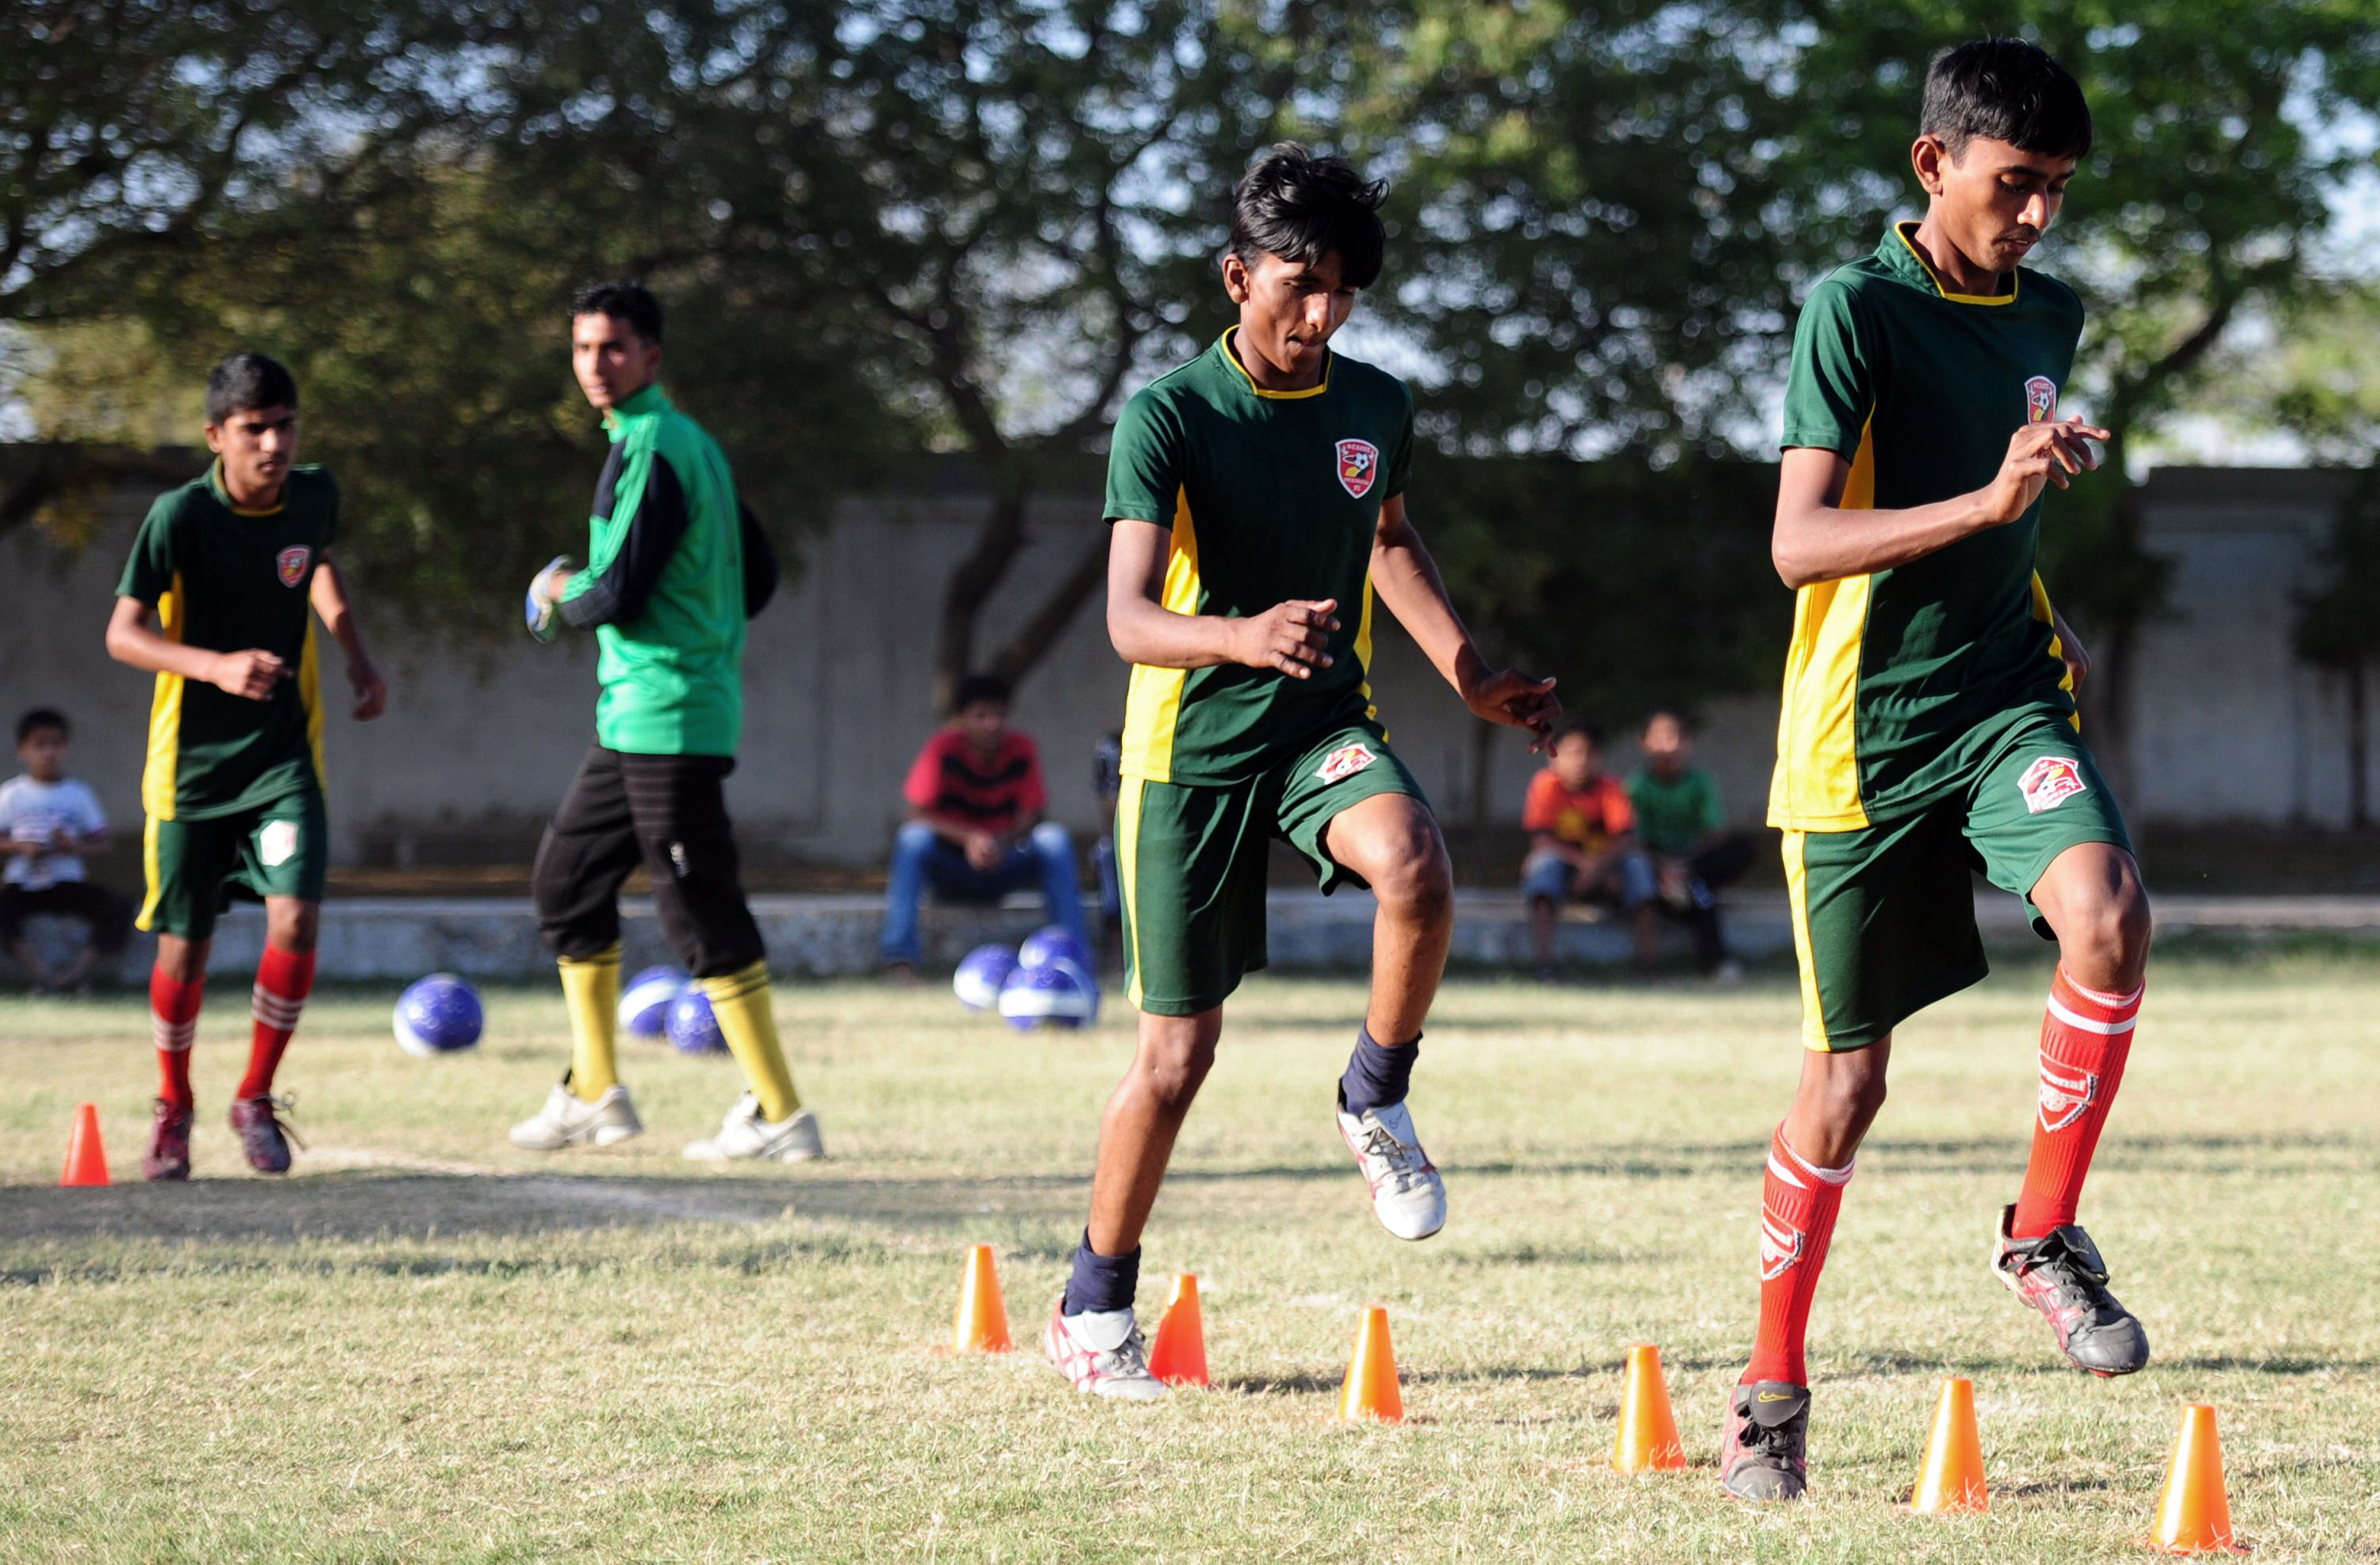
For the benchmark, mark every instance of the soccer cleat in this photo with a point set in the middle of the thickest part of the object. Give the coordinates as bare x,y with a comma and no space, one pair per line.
169,1143
568,1121
1408,1196
794,1139
1766,1454
2060,1274
1101,1352
262,1136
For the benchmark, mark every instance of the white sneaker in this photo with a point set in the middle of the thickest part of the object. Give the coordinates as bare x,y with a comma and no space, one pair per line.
744,1134
568,1121
1102,1352
1408,1196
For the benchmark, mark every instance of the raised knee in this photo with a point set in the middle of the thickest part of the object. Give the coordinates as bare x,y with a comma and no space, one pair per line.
1053,839
915,836
2112,936
1420,886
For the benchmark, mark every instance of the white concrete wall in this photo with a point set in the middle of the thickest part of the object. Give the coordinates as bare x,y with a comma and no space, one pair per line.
479,739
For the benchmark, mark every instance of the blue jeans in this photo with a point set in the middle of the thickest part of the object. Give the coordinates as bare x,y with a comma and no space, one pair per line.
1629,882
922,859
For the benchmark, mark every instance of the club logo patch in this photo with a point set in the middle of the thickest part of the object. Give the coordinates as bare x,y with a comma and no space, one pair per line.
2050,782
292,563
1359,464
277,844
2040,399
1346,761
2066,1093
1780,1246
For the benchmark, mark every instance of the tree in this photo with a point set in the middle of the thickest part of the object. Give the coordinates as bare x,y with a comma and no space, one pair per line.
2339,629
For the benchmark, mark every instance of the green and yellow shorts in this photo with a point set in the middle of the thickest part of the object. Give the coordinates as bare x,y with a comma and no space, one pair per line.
1191,859
280,848
1883,916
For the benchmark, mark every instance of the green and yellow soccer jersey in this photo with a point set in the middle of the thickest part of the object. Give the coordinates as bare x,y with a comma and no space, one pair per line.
1269,496
1899,683
231,579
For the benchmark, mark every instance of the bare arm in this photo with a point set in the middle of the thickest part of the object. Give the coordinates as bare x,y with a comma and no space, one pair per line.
329,595
130,640
1407,580
1816,539
1288,636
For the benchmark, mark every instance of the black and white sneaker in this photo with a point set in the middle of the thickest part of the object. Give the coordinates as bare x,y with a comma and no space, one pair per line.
1765,1454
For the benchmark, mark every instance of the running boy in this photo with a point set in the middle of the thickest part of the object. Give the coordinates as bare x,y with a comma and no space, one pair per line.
1929,721
1257,498
214,601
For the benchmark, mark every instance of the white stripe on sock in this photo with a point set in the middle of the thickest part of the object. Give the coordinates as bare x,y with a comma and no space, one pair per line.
2074,1018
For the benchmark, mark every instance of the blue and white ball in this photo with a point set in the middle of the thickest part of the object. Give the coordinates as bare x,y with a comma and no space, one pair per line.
981,977
692,1027
1052,942
644,1005
439,1014
1058,994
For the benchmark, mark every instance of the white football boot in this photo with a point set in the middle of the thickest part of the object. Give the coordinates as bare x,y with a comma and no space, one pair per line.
744,1134
1408,1196
567,1120
1102,1352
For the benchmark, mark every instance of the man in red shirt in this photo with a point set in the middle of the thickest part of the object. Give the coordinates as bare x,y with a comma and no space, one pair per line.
975,831
1582,843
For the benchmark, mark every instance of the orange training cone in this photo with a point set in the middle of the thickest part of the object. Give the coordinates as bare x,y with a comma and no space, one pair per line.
86,1159
1180,1356
1952,1477
981,1324
1649,1428
2196,1516
1371,1394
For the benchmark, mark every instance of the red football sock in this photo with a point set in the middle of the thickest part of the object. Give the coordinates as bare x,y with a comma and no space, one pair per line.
2084,1038
173,1024
1797,1218
284,979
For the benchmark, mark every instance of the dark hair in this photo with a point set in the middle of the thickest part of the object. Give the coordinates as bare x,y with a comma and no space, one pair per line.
1581,724
2004,90
246,382
38,719
1302,207
978,687
1675,714
622,302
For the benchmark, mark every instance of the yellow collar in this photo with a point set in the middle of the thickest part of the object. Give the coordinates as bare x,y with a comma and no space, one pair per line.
1902,231
1232,356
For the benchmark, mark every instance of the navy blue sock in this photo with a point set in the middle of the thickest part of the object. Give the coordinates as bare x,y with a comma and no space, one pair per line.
1377,1073
1102,1282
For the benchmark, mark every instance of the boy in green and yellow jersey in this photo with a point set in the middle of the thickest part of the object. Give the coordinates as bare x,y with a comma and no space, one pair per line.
1929,725
675,566
218,600
1257,497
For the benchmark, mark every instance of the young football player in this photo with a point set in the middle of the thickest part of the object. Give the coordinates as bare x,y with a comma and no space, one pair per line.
675,566
1929,722
215,602
1257,497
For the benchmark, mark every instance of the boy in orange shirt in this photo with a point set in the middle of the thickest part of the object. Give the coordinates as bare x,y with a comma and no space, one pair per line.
1583,843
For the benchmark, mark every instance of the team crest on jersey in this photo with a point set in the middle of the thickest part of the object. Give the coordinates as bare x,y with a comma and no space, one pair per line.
2066,1093
2050,782
1359,464
292,563
2040,399
1344,762
1780,1246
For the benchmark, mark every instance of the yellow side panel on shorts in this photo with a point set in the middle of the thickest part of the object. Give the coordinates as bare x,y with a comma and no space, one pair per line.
1127,846
2056,648
1816,785
150,876
1797,894
1152,705
309,691
157,773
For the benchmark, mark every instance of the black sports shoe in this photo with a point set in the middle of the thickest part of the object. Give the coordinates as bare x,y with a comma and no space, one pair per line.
261,1135
1765,1454
2060,1274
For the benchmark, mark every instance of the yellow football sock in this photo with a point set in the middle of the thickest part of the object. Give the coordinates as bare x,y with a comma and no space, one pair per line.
591,987
740,1001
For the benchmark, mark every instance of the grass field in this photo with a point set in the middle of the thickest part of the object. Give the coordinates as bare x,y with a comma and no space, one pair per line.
427,1346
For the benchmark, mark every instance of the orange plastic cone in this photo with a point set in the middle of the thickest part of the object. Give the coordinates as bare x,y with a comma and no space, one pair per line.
1649,1428
1180,1356
1371,1394
981,1324
86,1159
2196,1516
1952,1478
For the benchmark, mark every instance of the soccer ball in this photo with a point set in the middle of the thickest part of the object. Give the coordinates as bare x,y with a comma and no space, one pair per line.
439,1014
978,980
692,1028
1048,943
1059,993
644,1005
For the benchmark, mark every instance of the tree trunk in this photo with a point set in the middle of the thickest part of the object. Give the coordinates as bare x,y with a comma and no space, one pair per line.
1026,647
971,585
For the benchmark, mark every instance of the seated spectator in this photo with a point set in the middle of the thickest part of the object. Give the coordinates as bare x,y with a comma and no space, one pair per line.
975,831
1680,823
1582,844
47,818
